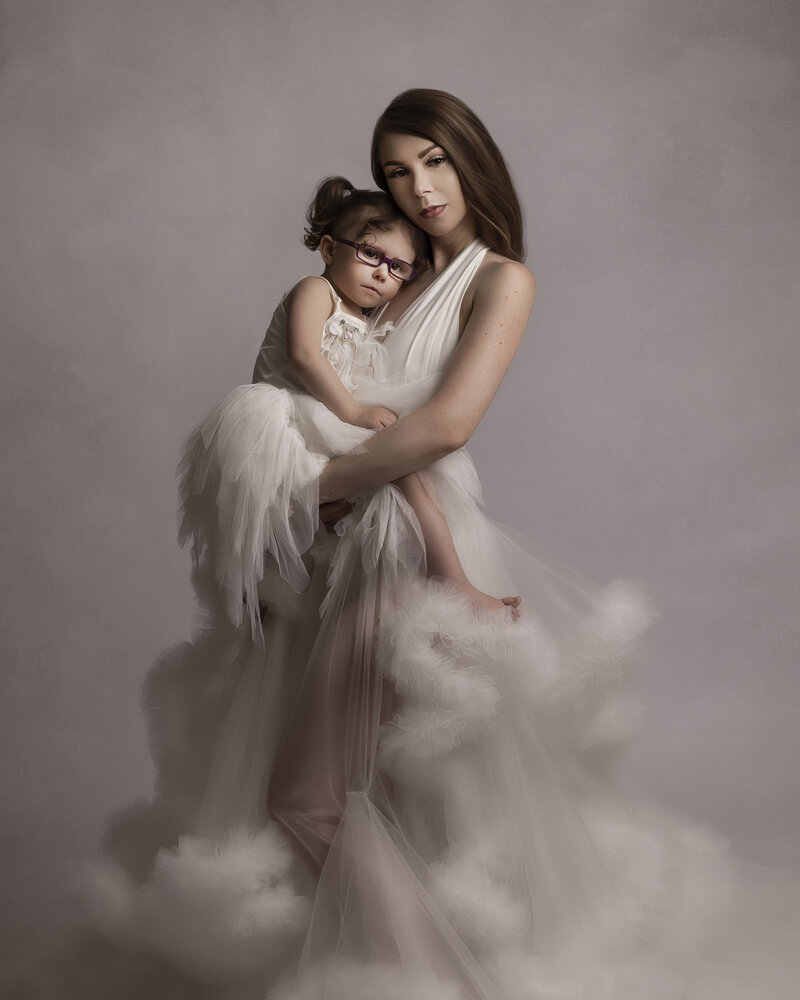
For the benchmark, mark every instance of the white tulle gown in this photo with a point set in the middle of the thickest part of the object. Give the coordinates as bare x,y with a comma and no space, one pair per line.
379,794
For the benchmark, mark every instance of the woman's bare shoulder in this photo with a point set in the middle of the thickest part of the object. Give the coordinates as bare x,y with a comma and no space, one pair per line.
501,276
512,271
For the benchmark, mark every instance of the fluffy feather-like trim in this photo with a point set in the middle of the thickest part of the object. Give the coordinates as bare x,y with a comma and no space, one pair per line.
348,980
423,667
429,777
133,836
185,697
645,976
642,938
477,900
434,616
618,717
439,614
437,652
453,666
586,701
426,733
213,909
612,632
673,878
381,534
248,485
669,886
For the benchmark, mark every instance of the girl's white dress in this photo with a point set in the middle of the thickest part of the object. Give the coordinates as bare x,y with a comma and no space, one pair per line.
446,766
257,459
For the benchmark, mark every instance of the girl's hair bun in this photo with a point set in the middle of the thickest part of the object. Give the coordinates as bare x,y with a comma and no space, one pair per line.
337,208
325,209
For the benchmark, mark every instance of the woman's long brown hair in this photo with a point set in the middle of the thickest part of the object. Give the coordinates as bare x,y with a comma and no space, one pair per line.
485,180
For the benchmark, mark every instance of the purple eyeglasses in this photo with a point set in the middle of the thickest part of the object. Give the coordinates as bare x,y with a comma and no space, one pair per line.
371,255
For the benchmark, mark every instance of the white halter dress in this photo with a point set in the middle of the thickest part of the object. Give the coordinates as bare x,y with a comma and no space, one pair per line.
382,793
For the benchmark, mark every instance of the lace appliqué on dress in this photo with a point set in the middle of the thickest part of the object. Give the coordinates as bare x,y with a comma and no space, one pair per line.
342,338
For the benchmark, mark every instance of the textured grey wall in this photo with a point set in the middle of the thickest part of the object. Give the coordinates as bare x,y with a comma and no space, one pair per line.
157,159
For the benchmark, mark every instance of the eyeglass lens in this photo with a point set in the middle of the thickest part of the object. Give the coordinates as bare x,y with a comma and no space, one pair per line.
372,255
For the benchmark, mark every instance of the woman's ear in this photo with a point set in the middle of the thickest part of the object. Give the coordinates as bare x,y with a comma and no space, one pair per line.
327,247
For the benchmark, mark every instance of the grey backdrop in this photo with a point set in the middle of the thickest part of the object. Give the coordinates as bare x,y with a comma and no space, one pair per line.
157,159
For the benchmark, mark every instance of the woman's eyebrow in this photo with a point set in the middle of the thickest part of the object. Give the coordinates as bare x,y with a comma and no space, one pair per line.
397,163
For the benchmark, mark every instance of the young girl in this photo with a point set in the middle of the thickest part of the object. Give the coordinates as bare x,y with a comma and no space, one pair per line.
317,351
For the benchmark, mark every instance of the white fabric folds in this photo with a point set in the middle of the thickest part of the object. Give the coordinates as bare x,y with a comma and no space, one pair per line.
380,792
248,491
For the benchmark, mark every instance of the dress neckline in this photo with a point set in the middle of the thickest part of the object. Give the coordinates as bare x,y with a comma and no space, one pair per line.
432,285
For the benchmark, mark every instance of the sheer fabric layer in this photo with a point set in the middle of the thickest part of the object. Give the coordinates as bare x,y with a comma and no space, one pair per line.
436,824
379,792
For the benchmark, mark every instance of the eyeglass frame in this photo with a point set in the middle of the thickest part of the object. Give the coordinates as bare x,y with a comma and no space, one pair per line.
384,259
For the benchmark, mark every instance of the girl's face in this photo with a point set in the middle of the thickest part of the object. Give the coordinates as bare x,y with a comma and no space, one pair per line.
365,285
424,184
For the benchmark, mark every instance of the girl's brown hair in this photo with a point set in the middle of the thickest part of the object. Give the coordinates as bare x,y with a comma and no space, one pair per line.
484,176
337,206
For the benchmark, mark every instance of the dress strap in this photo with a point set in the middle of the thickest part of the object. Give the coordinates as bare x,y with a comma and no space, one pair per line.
338,308
334,294
337,302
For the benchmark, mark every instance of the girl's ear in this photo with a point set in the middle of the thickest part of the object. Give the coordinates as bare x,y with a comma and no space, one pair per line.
326,248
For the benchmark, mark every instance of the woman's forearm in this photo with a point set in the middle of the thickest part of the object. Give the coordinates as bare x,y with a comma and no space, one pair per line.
413,443
500,312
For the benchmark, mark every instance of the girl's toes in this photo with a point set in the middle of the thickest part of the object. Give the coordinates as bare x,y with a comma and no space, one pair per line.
513,603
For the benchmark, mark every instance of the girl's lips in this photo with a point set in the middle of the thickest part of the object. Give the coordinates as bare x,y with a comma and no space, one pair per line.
433,211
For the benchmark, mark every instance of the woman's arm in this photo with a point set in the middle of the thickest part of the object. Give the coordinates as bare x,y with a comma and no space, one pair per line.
502,305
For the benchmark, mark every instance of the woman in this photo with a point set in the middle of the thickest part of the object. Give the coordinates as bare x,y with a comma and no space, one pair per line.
437,826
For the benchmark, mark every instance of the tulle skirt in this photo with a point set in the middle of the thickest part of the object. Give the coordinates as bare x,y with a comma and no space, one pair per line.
378,792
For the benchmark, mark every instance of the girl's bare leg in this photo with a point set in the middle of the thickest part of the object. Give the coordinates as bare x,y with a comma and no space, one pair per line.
440,551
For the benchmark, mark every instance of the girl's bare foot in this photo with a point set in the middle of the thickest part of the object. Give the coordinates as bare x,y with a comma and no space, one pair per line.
481,600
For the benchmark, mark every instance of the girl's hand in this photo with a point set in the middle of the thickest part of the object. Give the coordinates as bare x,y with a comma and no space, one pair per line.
373,417
330,513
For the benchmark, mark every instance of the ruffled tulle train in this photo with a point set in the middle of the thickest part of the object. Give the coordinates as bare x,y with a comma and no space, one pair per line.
380,792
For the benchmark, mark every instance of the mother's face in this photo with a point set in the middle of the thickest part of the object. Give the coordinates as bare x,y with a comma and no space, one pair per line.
424,183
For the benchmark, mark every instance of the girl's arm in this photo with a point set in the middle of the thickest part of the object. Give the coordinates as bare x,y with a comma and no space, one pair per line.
501,308
308,306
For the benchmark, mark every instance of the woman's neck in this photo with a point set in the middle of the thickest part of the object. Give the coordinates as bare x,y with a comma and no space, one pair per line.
445,249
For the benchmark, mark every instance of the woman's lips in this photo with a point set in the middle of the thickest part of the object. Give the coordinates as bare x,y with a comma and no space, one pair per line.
433,211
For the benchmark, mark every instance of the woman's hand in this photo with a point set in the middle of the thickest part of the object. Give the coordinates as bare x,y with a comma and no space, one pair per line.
373,417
